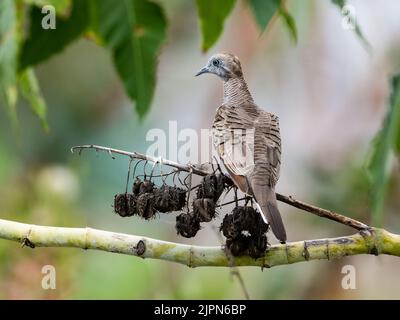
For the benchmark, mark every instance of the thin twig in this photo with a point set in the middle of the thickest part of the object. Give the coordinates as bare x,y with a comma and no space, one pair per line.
230,202
141,156
324,213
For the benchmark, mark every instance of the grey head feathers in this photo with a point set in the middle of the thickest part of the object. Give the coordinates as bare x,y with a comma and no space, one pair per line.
224,65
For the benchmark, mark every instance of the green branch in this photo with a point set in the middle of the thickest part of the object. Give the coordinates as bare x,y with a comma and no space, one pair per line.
374,241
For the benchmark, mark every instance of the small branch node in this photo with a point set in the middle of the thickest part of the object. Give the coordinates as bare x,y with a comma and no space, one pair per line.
327,249
87,230
26,242
140,248
287,253
111,155
369,236
306,254
190,260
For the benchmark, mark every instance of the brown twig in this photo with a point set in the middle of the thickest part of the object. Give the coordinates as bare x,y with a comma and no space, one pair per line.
324,213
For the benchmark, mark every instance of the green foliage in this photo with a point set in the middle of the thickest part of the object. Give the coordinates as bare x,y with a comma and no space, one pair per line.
383,145
62,6
289,22
264,11
30,90
342,3
8,57
212,15
42,44
348,189
134,31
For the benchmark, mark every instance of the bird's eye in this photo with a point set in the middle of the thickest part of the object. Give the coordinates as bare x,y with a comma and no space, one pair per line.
215,63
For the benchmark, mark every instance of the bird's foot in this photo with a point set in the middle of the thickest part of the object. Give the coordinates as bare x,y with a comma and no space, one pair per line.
247,200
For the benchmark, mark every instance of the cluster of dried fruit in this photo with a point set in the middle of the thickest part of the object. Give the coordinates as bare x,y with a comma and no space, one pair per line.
244,228
208,193
245,232
146,200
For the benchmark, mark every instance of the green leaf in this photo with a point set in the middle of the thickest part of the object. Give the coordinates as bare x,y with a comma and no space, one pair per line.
383,145
263,11
43,43
212,15
8,58
289,22
342,3
134,31
62,7
30,90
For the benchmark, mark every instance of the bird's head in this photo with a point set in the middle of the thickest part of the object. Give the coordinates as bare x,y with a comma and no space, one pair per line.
224,65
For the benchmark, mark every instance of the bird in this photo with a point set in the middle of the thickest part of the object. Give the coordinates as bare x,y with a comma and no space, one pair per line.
247,140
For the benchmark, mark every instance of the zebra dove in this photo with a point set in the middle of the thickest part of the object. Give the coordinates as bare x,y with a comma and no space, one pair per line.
247,140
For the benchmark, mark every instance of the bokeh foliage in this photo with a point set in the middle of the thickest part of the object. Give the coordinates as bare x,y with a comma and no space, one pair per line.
133,30
383,146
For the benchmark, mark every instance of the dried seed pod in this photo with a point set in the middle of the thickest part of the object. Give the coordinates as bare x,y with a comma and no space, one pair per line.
245,230
239,245
120,204
257,246
145,205
211,187
187,225
136,186
131,204
125,204
233,224
206,188
179,196
204,209
249,219
163,199
168,199
228,227
254,247
146,186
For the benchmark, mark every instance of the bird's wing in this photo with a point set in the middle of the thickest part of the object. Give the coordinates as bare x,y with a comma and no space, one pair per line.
233,137
267,159
250,129
267,147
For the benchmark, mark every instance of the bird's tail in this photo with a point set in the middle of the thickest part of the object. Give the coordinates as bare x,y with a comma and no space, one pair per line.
267,204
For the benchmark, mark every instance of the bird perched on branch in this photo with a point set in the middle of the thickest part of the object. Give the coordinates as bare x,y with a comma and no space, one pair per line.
247,140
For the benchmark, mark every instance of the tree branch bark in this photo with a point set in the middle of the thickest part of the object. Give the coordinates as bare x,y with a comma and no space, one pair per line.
373,241
196,170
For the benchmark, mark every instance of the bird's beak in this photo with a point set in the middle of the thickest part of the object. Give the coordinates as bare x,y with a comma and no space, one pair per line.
203,70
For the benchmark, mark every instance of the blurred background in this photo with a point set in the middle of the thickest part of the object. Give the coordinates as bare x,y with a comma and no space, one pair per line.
329,93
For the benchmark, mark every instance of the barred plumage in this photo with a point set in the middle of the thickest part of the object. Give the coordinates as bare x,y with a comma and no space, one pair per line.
247,140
